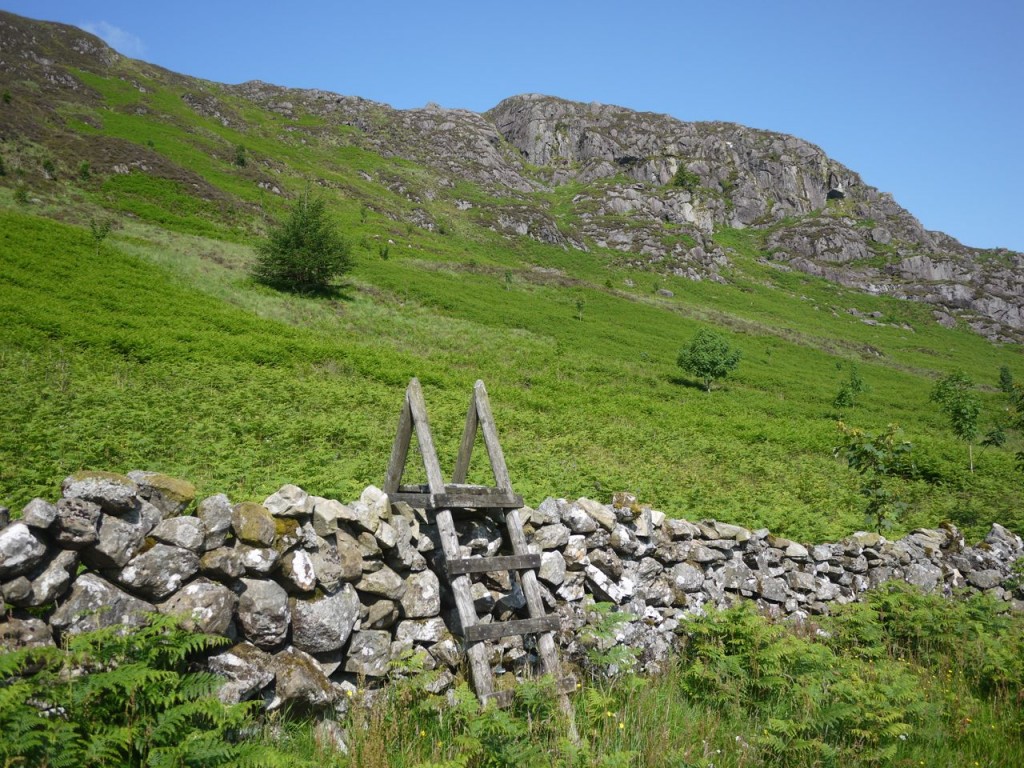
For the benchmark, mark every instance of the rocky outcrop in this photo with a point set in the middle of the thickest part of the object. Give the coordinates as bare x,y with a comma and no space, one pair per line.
319,595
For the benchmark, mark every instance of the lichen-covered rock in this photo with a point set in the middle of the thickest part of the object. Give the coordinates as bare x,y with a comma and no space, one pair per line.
45,583
382,583
248,670
20,550
323,624
258,560
223,563
159,571
289,501
350,556
263,612
215,512
299,680
552,568
17,634
95,603
253,524
369,653
431,630
326,513
39,513
422,597
185,532
205,605
297,573
78,522
114,493
118,540
168,494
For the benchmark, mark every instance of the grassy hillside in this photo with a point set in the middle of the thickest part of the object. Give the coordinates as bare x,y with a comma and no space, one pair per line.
156,350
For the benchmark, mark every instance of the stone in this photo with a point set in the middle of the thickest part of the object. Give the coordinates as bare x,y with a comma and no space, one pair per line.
18,634
383,583
603,587
369,653
923,575
405,555
552,568
686,577
95,603
607,562
253,524
681,530
326,513
215,512
289,501
350,556
381,614
20,550
247,669
168,494
430,630
422,596
113,493
48,581
78,522
39,513
222,563
604,516
575,553
986,579
322,624
573,588
159,571
118,540
299,681
258,560
577,520
734,575
297,571
772,589
206,606
263,612
328,568
184,532
552,536
800,582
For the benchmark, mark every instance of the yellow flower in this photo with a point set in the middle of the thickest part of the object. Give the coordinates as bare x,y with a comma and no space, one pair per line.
422,734
622,726
607,714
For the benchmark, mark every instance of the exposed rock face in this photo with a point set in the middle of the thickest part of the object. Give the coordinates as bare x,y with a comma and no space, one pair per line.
312,613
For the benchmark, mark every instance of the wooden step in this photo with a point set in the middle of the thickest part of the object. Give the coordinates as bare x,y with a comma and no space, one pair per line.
487,564
457,496
497,629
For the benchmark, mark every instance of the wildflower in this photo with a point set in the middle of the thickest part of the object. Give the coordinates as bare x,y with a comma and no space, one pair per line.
608,713
422,734
622,725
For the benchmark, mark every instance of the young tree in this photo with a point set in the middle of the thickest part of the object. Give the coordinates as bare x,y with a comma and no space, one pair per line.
304,253
708,357
849,390
1005,380
956,397
880,460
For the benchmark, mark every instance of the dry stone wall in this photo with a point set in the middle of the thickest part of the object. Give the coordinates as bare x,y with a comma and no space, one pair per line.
321,596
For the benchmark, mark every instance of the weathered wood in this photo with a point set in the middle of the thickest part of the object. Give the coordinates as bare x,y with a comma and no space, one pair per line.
498,629
483,409
399,449
462,590
486,564
426,441
430,502
466,446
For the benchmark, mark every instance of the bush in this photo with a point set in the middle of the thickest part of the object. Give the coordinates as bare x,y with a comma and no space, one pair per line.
708,357
304,253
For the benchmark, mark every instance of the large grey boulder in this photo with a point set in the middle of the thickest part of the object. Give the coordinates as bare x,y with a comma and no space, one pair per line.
78,522
382,583
46,582
20,550
95,603
16,634
185,532
118,540
215,512
299,680
168,494
422,597
324,624
247,669
289,501
297,573
114,493
223,563
159,571
39,513
205,605
369,653
263,611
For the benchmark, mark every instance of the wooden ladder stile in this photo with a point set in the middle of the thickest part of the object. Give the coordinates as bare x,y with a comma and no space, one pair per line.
441,499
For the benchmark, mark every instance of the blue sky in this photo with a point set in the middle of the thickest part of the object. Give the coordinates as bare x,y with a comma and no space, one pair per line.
923,98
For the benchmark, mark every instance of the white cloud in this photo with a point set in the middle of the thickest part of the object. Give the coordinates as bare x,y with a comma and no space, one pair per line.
117,38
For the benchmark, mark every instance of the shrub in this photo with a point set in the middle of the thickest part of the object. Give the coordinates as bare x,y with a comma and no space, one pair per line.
686,179
305,252
708,357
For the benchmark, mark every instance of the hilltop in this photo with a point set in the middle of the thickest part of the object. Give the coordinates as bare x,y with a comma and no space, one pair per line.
561,251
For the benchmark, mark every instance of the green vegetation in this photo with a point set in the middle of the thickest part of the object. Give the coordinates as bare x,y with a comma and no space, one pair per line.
956,397
901,678
686,179
882,461
849,390
708,357
304,253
